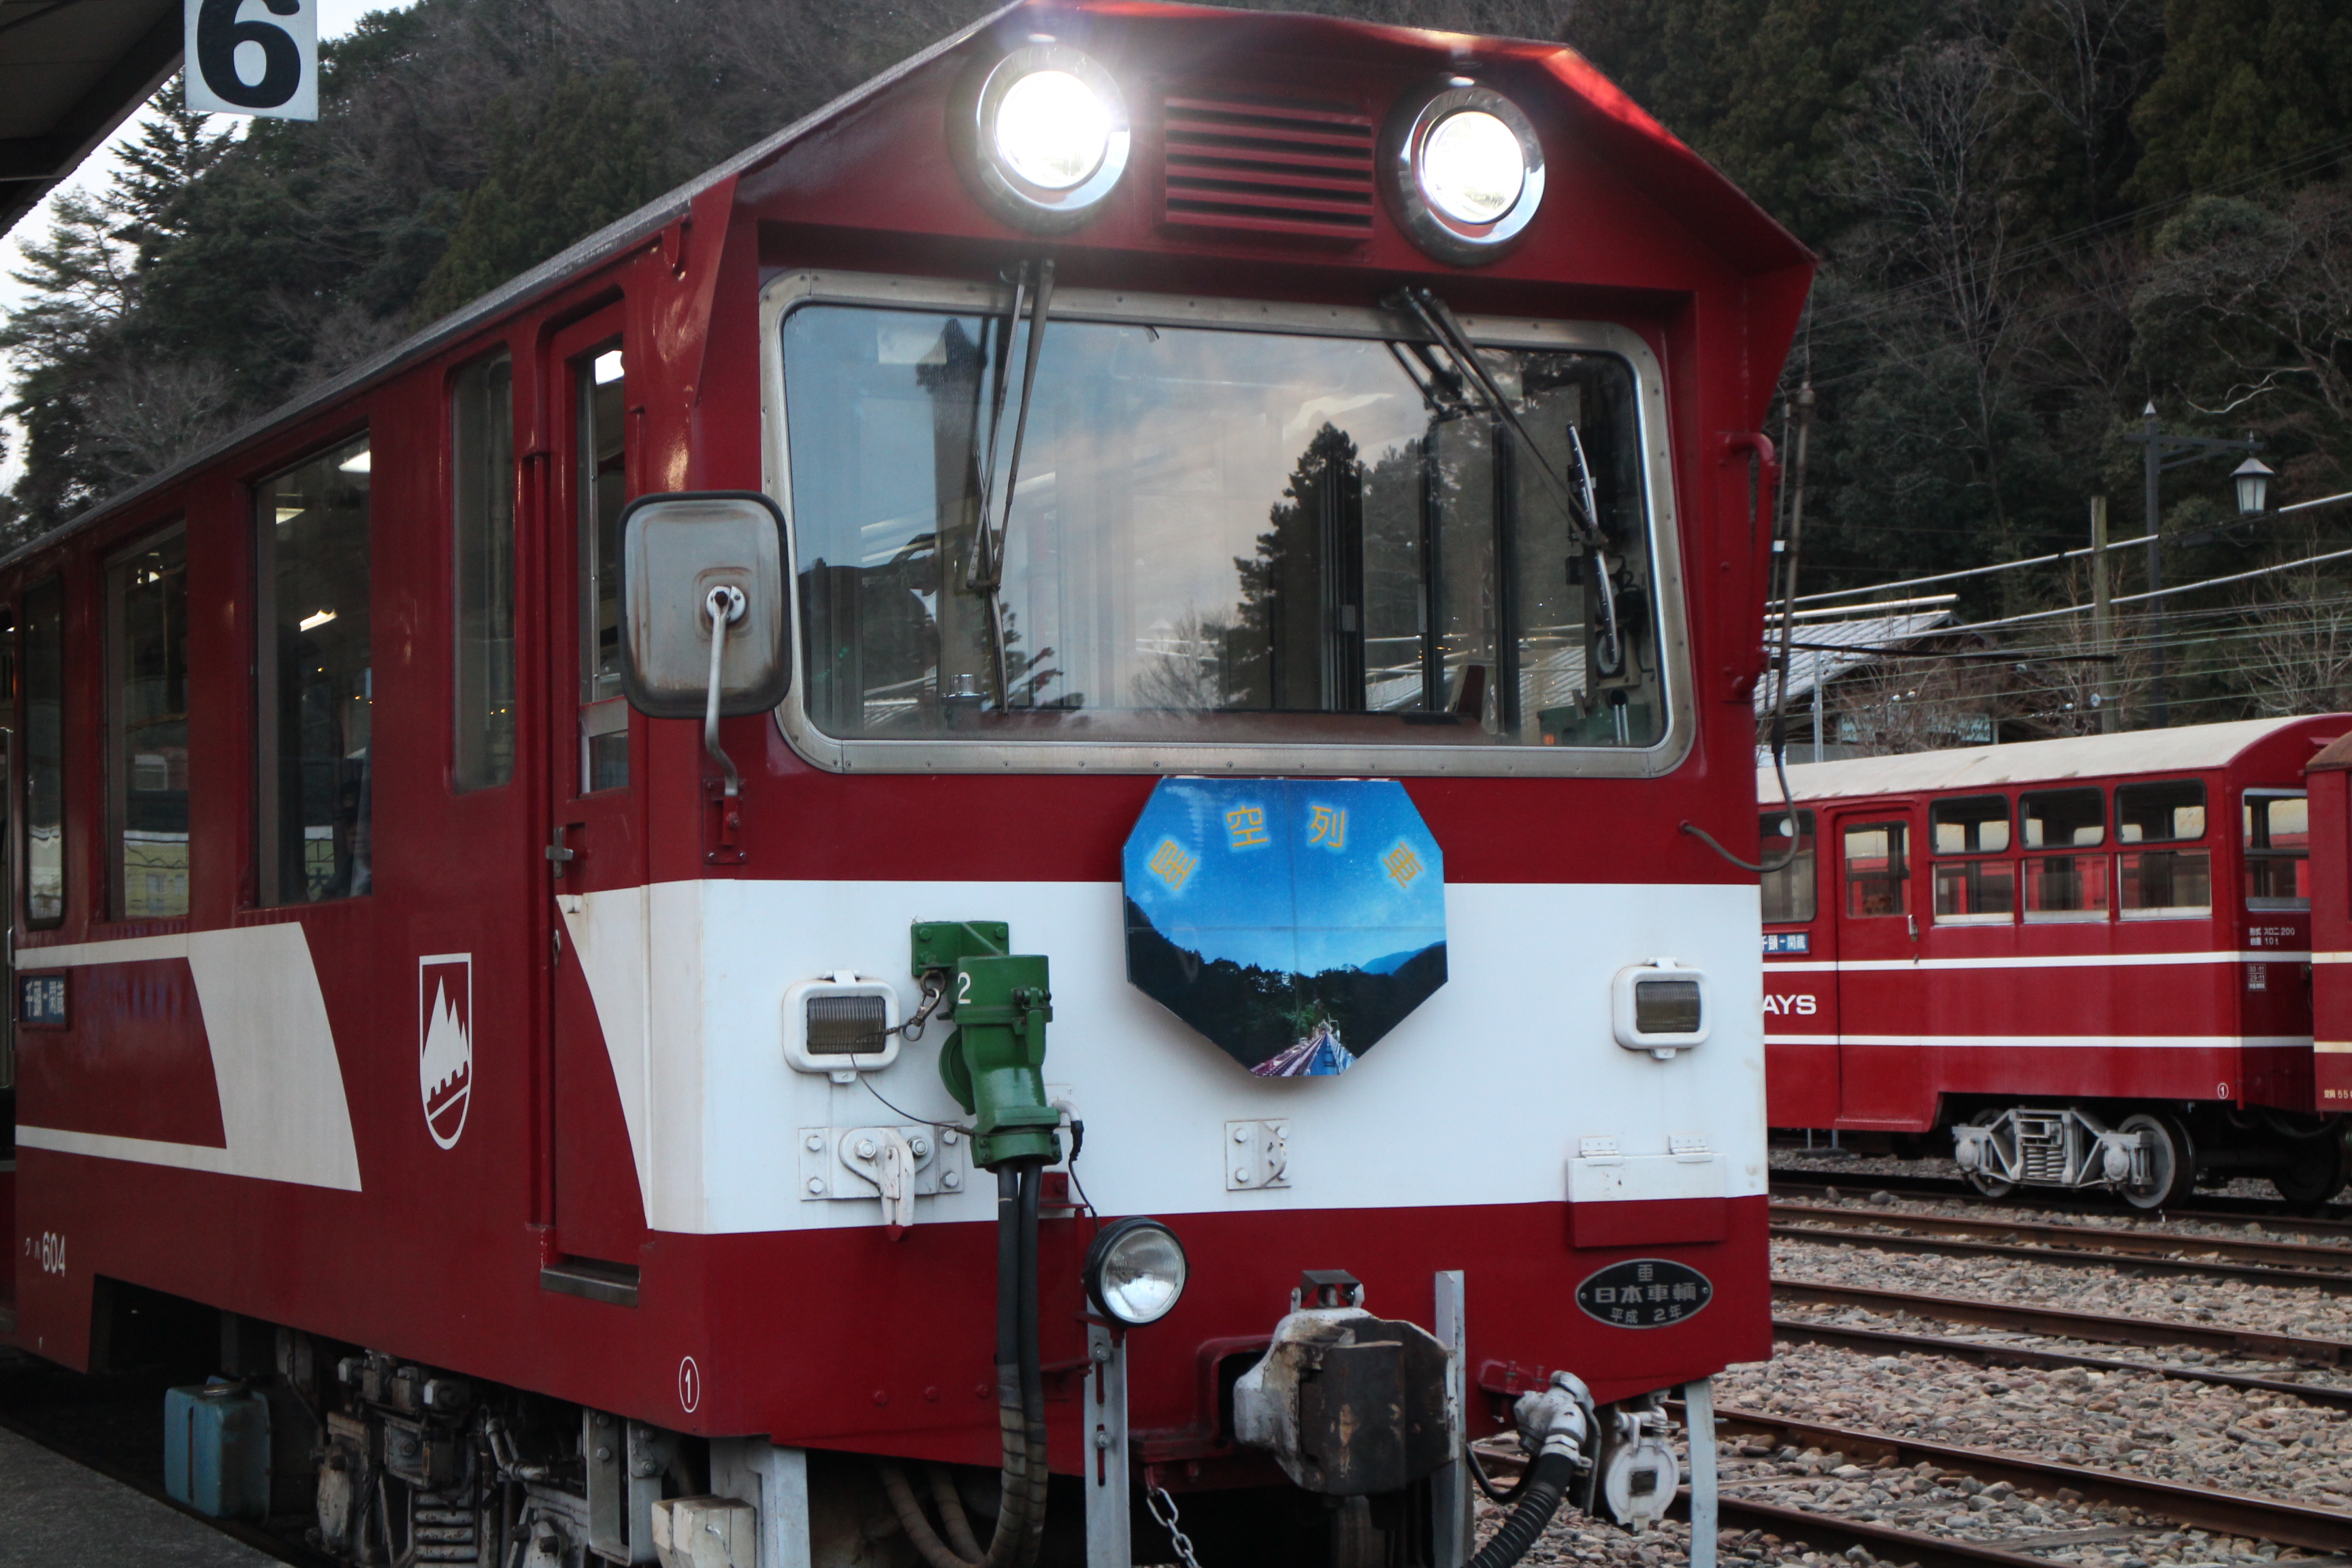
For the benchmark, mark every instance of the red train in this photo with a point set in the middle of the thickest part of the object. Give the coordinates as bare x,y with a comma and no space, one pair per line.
2091,960
624,890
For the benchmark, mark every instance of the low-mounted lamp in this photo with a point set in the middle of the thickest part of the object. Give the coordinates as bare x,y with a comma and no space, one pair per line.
2252,479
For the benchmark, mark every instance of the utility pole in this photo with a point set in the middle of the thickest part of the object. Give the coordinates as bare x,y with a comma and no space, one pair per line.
2159,452
2153,465
2103,626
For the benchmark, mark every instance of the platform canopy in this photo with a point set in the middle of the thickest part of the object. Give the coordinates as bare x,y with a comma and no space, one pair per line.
70,71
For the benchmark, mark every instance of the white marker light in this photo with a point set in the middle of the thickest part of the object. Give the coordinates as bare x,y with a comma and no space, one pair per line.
1052,129
1472,168
1135,1271
320,619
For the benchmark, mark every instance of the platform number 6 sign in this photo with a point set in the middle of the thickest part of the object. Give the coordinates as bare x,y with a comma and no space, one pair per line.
253,56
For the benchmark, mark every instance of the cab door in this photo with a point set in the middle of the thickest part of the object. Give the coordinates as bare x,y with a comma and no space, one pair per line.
1878,915
596,849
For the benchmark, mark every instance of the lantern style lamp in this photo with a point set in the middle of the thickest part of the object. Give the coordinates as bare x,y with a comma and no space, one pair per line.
2253,481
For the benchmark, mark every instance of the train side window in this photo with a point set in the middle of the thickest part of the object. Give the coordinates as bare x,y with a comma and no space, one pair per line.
603,488
147,731
1974,892
1975,825
2165,812
315,680
2064,818
1791,893
2065,887
45,753
1877,874
482,463
2278,850
2157,882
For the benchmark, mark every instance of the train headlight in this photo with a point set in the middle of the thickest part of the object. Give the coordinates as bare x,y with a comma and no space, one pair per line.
1135,1271
1052,136
1466,171
1659,1007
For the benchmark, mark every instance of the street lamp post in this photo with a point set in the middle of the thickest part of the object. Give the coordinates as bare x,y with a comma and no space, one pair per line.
2158,452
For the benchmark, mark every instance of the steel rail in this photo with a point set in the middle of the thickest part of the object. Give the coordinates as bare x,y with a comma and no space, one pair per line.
2232,1513
2107,1238
1982,1352
2099,1328
2328,1218
2068,1258
1828,1533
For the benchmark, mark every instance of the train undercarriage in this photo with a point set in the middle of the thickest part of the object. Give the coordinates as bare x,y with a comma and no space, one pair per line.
2150,1154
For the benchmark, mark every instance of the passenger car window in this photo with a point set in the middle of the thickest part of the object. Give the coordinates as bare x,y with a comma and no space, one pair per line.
1791,893
600,376
1972,892
315,678
2277,827
2064,818
1975,825
2160,813
45,758
482,464
147,739
1877,878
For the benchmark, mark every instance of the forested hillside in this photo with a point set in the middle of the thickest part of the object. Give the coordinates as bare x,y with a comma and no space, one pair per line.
2036,217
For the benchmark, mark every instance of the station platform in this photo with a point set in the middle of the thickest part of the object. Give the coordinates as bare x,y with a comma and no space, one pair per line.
55,1513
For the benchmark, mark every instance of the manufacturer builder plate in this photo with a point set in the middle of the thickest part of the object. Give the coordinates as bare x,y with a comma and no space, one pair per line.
1646,1293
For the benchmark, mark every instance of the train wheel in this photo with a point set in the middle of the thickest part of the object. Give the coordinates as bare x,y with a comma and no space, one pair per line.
1991,1185
2172,1163
2315,1170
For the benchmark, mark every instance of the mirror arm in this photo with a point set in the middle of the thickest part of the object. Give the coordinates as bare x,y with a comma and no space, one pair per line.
723,606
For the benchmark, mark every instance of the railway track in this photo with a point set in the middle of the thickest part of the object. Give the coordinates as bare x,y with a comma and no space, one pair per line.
2214,1207
1982,1352
2140,1251
2201,1507
2098,1328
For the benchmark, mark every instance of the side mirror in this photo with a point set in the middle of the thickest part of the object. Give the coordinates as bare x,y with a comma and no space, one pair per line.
675,550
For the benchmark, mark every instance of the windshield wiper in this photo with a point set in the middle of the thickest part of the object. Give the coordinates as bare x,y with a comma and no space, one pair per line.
984,575
1584,510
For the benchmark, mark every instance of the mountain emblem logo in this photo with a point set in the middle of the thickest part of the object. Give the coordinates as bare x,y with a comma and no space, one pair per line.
445,1051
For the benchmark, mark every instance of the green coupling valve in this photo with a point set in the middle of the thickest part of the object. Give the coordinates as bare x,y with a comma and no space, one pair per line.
994,1063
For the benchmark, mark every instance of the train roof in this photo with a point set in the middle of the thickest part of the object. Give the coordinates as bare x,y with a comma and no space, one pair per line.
2189,747
1714,211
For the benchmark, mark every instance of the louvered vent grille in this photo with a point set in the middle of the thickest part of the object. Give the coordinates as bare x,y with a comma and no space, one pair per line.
1263,164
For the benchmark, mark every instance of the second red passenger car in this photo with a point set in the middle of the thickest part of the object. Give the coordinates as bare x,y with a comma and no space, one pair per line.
2089,959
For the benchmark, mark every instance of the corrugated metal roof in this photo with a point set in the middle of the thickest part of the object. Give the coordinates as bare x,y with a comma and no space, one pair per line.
2029,761
1856,640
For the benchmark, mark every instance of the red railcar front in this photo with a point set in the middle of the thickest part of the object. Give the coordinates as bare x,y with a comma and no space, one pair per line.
1236,545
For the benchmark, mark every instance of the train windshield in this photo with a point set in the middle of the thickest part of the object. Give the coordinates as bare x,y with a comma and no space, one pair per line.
1215,536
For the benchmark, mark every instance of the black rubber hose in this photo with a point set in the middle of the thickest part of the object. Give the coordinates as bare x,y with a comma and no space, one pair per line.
1547,1484
1032,1373
1021,1405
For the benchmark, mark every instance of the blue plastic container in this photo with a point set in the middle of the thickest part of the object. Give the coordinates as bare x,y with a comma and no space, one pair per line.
216,1449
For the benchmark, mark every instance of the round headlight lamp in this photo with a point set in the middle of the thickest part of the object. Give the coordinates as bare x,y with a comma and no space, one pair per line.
1135,1271
1051,136
1464,170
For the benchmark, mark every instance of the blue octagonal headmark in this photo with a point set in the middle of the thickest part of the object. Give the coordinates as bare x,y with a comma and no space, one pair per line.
1293,923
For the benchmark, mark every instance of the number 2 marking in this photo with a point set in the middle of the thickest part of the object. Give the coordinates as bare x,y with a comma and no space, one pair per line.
963,986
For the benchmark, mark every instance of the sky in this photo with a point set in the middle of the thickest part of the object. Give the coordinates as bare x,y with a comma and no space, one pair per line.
336,18
1288,875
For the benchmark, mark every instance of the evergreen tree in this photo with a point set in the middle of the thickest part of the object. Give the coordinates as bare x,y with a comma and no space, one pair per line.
586,153
2247,85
